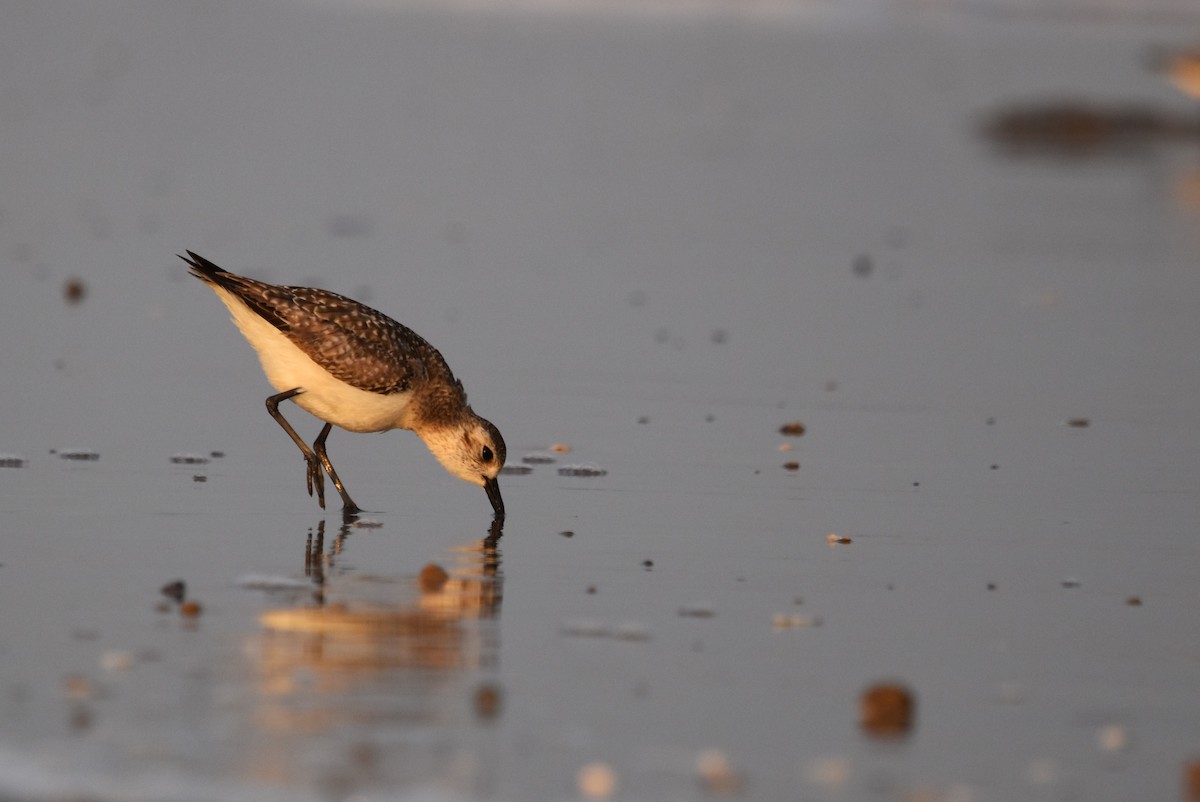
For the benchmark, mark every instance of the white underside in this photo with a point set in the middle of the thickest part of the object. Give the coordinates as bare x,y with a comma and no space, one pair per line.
326,397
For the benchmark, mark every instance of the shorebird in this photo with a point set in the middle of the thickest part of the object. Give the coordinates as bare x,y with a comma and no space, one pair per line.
356,368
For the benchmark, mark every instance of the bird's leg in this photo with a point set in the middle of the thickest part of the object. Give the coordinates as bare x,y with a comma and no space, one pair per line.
349,507
314,465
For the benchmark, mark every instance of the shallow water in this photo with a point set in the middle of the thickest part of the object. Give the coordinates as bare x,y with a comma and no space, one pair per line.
656,238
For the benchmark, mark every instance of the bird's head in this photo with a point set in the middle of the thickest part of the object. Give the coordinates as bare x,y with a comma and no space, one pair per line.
472,450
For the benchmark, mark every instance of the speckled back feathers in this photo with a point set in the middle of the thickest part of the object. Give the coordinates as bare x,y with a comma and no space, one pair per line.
355,343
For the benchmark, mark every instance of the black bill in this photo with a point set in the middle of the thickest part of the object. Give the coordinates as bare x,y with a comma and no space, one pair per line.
493,492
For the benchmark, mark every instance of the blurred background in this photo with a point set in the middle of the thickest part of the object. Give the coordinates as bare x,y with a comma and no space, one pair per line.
958,241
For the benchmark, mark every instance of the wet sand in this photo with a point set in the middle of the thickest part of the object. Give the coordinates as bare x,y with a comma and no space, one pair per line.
657,238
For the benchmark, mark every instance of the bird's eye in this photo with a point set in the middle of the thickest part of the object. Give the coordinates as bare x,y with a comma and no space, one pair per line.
486,456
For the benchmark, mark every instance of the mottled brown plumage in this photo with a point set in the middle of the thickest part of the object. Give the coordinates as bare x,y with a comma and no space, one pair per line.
359,345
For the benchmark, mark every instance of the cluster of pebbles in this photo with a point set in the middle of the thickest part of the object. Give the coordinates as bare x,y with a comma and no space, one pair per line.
190,458
549,457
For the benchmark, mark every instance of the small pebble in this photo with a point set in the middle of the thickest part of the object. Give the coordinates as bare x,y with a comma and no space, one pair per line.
719,336
697,611
567,533
833,539
81,717
793,429
79,454
716,772
1071,582
596,780
516,470
74,291
199,477
78,686
538,458
560,448
631,630
191,609
647,563
781,621
863,266
591,589
1134,601
791,466
189,459
487,701
117,660
1191,780
11,461
586,469
886,710
588,628
1113,738
364,755
433,578
643,420
785,447
174,590
217,454
1079,423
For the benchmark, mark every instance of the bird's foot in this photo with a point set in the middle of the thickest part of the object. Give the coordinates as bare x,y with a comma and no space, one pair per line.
316,477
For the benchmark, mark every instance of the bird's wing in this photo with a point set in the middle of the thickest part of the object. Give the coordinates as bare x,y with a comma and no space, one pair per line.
359,345
355,343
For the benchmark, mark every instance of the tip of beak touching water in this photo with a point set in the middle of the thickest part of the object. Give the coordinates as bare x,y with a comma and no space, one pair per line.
493,493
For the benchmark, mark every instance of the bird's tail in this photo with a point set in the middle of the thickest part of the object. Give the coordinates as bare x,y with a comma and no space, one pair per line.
203,269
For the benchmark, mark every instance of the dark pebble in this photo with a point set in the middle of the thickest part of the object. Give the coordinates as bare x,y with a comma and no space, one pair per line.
74,291
887,710
488,699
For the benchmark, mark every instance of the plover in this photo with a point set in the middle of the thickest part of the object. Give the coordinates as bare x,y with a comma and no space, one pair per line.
356,368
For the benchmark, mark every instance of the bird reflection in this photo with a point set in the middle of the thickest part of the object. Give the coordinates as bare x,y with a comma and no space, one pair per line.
368,653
